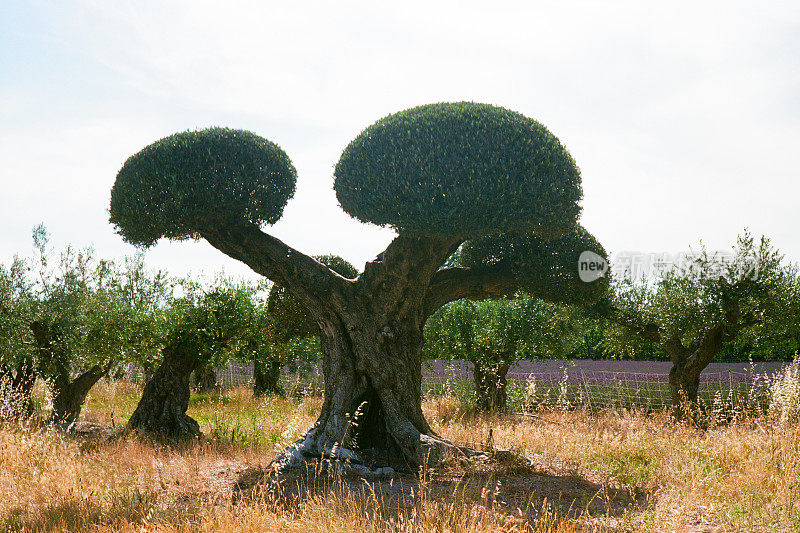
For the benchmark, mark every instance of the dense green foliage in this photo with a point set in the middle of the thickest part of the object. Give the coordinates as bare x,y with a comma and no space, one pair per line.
15,302
188,181
212,324
502,331
87,311
459,169
543,268
754,294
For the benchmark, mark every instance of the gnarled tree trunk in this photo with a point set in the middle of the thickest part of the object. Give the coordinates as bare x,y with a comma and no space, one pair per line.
69,396
165,399
206,379
490,386
372,412
266,377
687,365
371,335
684,384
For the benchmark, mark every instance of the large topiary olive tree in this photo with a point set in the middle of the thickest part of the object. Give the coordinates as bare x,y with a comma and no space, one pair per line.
440,175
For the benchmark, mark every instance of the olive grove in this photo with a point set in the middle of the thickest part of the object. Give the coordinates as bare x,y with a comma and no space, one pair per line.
442,176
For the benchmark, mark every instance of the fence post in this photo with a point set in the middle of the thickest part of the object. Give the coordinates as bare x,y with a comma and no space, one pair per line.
588,400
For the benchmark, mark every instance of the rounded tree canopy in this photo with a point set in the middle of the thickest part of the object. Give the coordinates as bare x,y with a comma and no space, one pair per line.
460,169
197,179
290,320
549,269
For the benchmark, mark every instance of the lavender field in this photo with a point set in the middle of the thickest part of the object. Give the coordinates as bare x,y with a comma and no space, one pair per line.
607,384
565,383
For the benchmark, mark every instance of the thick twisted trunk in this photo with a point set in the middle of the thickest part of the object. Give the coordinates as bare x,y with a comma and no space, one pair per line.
372,413
683,386
206,379
687,365
54,365
371,335
266,377
69,396
16,390
162,410
490,386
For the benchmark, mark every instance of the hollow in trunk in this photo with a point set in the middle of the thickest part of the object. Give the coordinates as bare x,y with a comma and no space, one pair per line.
372,412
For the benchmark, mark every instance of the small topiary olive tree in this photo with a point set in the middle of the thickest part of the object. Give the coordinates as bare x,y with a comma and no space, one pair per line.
440,175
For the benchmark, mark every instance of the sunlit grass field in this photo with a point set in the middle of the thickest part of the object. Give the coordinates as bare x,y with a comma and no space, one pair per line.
741,476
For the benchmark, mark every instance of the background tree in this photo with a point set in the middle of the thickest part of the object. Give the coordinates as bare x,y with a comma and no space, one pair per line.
205,375
440,175
203,326
85,318
697,310
17,357
494,334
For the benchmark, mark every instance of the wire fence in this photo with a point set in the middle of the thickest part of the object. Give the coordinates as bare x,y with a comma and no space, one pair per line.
569,388
594,390
597,390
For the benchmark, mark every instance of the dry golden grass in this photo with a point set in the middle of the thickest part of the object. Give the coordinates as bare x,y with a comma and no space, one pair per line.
739,477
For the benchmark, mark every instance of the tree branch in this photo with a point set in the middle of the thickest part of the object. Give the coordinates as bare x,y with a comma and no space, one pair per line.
86,381
476,283
403,272
711,343
628,320
315,285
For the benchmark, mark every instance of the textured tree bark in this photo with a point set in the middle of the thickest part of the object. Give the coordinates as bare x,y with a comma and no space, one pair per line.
16,391
490,386
683,388
371,335
687,365
267,375
206,379
54,366
69,396
372,412
161,412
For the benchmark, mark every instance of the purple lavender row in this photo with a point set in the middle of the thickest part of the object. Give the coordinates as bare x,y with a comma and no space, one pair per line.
604,371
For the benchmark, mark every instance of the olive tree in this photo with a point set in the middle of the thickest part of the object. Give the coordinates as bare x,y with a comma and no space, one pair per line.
440,175
17,357
494,334
202,326
712,302
86,316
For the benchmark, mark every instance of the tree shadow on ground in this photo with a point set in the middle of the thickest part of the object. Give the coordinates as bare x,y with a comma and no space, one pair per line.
507,483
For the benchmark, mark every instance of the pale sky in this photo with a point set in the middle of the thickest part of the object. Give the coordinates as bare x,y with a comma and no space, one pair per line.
684,117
